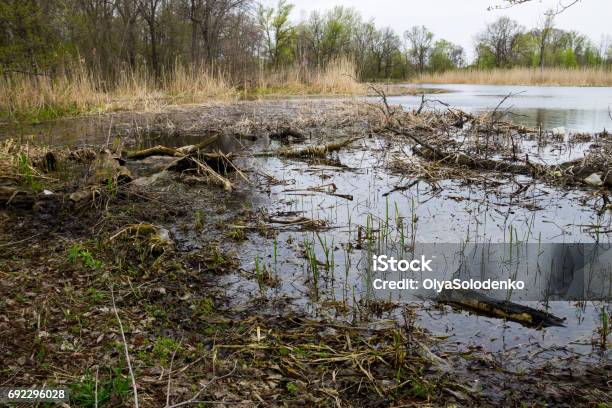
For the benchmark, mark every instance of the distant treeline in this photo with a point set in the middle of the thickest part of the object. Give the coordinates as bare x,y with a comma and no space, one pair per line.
242,37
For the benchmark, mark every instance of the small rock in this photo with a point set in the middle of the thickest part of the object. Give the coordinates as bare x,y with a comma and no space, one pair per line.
164,235
594,180
558,131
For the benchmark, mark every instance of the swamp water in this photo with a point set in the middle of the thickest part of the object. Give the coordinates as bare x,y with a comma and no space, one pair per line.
582,109
357,192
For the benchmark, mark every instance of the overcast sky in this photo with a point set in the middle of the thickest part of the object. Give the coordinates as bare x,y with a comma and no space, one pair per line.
459,20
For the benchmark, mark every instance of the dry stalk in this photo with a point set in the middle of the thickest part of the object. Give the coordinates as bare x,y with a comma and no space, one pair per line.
125,349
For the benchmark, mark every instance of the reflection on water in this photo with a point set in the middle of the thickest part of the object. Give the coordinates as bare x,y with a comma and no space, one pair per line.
575,108
449,211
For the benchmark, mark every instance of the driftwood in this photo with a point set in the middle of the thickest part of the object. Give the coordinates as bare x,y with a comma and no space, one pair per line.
479,303
306,223
311,151
200,163
153,151
169,151
217,161
192,158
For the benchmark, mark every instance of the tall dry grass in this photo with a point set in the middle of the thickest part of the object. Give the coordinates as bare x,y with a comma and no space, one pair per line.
523,76
338,77
41,96
76,90
137,89
197,85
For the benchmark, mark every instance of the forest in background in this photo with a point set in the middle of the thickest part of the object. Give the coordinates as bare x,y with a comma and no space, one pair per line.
242,37
66,57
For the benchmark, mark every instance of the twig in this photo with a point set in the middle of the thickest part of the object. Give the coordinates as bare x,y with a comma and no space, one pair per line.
125,349
194,400
504,99
560,6
383,96
170,372
20,241
418,112
96,389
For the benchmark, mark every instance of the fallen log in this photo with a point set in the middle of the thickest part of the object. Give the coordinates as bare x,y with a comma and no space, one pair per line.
203,164
160,150
482,304
205,143
311,151
153,151
217,161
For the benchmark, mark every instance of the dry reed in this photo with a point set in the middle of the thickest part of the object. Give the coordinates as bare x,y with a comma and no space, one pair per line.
338,77
76,90
41,96
523,76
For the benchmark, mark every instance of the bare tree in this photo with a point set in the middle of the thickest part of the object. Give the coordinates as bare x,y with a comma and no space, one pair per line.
547,27
209,19
385,43
128,12
149,10
499,39
98,15
420,45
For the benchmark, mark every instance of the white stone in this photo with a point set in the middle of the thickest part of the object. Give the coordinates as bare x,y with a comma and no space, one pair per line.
558,131
594,180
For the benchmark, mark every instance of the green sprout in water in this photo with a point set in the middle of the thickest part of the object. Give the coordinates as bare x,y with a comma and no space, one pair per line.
26,171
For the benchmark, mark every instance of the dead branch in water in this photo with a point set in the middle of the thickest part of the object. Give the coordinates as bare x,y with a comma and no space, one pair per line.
311,151
472,300
153,151
160,150
461,159
592,170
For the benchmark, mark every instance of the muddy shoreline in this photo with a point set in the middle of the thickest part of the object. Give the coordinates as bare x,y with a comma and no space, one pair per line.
250,295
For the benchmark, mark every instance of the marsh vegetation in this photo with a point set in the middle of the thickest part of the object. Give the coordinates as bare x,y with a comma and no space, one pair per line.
186,221
231,253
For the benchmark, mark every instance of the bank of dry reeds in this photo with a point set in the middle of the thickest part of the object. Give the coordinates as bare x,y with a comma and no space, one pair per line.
523,76
34,96
337,77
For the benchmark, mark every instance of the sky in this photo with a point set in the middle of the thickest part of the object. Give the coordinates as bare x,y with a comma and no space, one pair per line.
459,20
